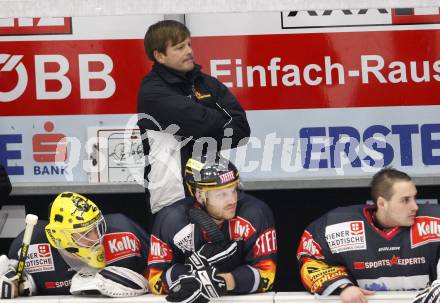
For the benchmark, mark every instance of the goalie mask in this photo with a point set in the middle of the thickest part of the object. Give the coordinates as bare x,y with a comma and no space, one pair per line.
206,174
77,226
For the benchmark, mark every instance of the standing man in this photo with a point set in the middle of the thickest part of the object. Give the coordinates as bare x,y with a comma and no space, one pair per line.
180,108
219,240
79,251
356,250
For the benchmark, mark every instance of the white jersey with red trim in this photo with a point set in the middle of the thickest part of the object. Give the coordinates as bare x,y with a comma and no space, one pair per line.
125,244
345,245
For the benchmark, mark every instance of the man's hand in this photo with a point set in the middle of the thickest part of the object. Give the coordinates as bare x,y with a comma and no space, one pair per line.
9,284
354,294
186,289
199,287
212,254
430,294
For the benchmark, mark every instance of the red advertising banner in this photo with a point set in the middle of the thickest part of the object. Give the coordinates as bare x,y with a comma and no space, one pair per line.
70,77
266,72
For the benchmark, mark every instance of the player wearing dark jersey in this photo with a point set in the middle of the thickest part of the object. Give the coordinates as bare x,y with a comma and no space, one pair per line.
221,240
355,250
81,251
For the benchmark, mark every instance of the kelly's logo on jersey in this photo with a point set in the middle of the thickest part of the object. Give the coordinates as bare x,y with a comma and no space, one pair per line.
308,246
159,251
121,245
424,230
240,229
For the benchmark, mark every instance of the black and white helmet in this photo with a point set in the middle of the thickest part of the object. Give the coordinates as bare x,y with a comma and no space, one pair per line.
210,174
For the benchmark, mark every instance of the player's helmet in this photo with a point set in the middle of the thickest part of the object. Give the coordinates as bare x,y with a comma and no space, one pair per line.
77,226
209,174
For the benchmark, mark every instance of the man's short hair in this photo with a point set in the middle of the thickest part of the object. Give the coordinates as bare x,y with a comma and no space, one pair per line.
383,181
163,32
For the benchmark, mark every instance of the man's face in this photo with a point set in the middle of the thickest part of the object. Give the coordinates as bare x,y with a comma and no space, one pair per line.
401,208
178,57
221,204
88,238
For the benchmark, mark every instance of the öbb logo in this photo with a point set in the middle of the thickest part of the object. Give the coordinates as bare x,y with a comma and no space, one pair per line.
51,79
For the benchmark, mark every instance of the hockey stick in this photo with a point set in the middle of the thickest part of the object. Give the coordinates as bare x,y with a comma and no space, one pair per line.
200,217
31,221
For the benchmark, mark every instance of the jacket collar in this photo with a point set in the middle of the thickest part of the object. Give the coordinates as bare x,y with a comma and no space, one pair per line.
172,76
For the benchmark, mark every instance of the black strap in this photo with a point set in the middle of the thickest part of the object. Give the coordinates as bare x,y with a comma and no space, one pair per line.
200,217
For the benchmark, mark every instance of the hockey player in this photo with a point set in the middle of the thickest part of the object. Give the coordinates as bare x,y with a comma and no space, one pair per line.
79,251
356,250
217,241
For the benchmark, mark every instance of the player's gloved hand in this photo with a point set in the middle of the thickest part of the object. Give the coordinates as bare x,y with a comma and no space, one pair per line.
9,286
430,294
212,254
186,289
203,285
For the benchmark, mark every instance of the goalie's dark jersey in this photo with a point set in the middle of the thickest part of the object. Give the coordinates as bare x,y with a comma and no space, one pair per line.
174,238
345,244
125,244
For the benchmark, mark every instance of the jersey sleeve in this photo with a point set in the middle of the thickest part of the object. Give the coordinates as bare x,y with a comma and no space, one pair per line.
255,225
125,243
165,262
319,270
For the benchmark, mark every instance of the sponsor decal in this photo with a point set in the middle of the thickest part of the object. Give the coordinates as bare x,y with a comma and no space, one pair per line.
39,258
159,251
316,273
184,239
227,177
266,243
121,245
35,26
424,230
393,261
388,248
57,284
194,164
240,229
200,96
308,246
358,17
50,148
346,236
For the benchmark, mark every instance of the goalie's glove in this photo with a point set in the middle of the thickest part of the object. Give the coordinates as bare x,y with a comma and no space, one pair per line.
430,294
200,287
10,287
212,254
112,281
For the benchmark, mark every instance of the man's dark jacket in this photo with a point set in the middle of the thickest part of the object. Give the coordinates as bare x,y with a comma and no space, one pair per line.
176,114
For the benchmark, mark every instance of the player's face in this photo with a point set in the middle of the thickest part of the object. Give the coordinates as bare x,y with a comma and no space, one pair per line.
178,57
221,204
401,208
88,238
